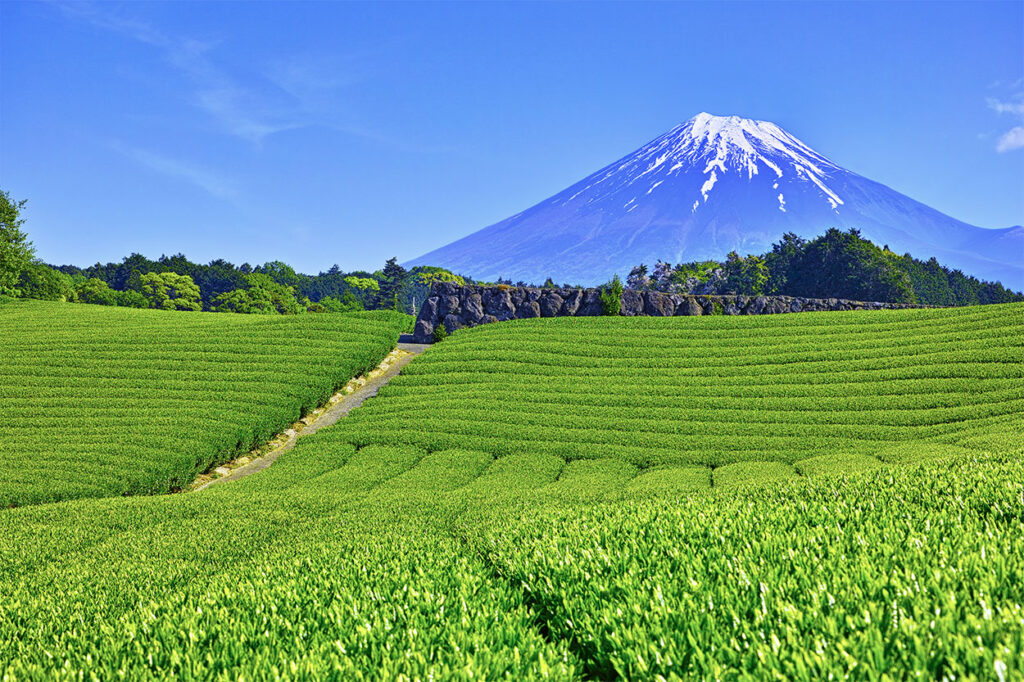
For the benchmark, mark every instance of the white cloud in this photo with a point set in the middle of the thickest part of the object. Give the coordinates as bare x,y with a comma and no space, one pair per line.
1013,139
1006,107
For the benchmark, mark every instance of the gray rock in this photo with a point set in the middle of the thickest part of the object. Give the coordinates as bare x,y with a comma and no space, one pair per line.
658,305
590,306
445,289
498,302
689,306
453,322
755,306
449,305
460,306
424,332
429,309
571,303
527,310
473,308
632,303
550,304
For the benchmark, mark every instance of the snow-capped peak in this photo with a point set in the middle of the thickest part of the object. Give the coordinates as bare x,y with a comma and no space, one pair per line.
750,136
715,146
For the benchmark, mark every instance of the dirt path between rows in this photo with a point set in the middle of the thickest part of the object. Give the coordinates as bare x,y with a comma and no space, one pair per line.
341,403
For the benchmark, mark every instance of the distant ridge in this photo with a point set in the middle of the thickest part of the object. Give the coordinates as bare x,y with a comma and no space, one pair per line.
709,186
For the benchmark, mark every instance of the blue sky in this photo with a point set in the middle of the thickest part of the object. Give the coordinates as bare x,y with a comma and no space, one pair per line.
347,133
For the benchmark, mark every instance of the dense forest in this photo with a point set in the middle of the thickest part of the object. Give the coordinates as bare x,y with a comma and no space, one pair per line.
223,286
835,265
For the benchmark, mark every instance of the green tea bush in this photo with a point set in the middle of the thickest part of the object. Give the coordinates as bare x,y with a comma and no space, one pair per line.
99,401
712,391
807,497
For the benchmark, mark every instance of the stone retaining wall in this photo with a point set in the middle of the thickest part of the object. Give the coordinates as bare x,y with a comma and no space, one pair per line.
467,306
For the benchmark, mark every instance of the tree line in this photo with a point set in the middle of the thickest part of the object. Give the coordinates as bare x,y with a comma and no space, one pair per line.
176,283
837,264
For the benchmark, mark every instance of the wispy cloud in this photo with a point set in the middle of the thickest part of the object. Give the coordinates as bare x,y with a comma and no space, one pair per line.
206,180
285,94
1014,137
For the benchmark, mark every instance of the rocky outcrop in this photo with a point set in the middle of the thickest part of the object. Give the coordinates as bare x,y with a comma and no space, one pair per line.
458,306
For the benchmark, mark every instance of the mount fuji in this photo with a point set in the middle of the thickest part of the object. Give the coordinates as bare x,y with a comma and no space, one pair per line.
709,186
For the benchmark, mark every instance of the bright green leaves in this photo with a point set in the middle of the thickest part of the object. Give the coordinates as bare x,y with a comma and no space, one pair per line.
99,401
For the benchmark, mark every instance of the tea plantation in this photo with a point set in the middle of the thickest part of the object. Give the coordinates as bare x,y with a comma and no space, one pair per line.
792,497
98,401
734,397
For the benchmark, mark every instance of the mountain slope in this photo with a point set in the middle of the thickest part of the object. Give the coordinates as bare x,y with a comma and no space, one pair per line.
706,187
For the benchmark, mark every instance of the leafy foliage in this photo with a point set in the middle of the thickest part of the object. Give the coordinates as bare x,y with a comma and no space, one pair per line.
95,291
611,297
263,296
16,251
894,574
842,265
104,401
391,279
221,284
170,291
893,551
747,275
835,265
708,391
42,282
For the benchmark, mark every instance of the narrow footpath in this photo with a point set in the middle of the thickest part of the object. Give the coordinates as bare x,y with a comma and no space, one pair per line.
350,397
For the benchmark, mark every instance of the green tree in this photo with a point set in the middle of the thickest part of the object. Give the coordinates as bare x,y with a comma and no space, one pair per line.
16,251
280,272
328,304
747,276
253,301
429,274
264,296
95,291
611,297
170,291
784,257
129,298
46,284
363,283
282,296
391,281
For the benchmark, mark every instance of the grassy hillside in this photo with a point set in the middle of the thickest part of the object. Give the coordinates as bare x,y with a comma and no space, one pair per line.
98,401
739,398
405,558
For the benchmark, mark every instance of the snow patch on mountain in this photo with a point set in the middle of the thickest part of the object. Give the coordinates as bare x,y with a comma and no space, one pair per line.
719,144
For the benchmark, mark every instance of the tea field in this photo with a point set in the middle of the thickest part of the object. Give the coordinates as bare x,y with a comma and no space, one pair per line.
723,400
792,497
98,401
